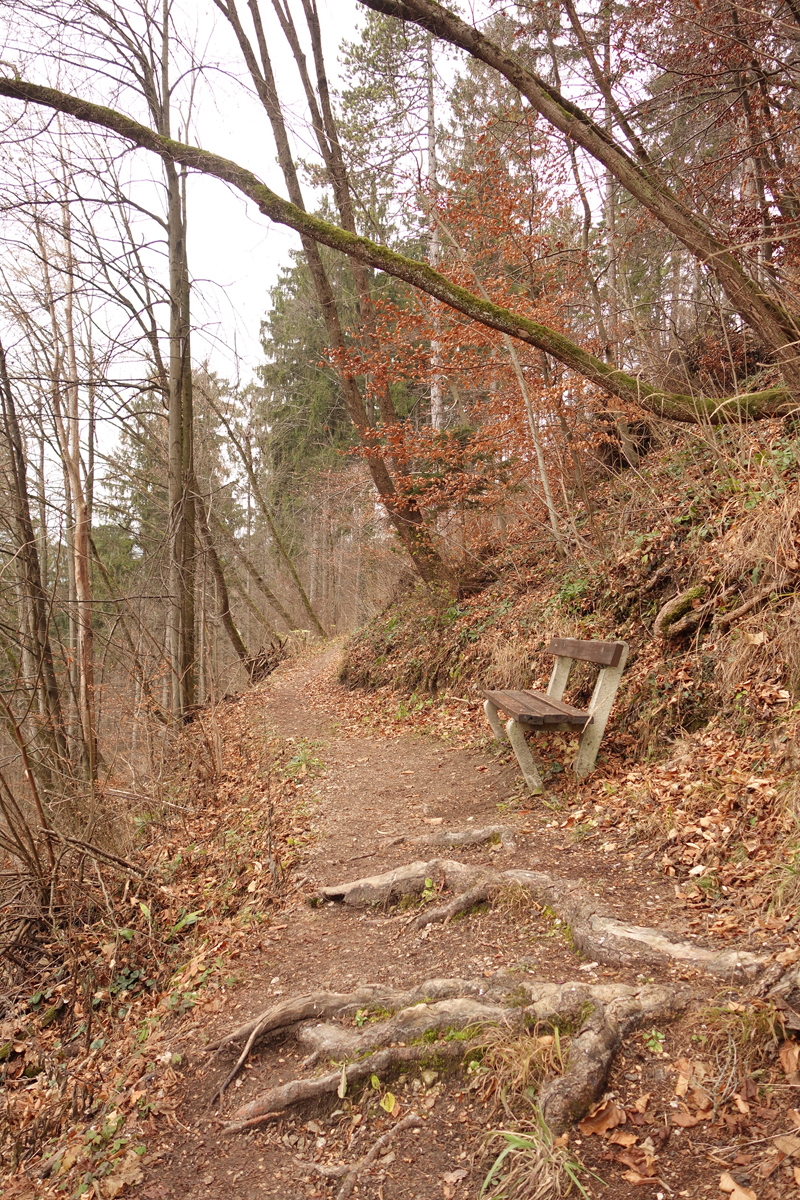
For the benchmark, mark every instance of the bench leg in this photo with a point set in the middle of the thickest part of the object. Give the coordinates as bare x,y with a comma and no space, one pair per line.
493,719
605,691
524,756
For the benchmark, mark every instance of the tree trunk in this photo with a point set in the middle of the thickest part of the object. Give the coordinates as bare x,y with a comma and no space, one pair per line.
695,409
50,733
252,571
224,613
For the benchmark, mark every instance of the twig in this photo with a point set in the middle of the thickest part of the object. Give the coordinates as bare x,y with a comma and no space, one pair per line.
257,1031
412,1121
106,854
727,619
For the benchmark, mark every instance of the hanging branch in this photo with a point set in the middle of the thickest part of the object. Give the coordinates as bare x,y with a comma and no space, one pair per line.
695,409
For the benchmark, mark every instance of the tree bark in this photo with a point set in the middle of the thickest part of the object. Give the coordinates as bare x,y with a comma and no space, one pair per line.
772,402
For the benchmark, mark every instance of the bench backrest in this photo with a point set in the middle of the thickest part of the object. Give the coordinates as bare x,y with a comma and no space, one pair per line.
604,654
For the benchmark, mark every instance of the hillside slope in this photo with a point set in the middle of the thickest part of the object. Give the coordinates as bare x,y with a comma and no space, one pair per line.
694,560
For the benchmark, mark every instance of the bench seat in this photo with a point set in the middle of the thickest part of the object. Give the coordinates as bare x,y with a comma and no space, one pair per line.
532,711
539,710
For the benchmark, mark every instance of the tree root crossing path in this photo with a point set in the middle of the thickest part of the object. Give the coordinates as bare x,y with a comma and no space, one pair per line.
448,962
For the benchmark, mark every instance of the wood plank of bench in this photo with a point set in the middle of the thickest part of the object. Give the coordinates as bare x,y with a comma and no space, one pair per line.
603,654
553,712
569,710
537,709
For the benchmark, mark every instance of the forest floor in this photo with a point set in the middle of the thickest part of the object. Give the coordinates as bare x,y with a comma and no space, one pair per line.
690,1106
627,945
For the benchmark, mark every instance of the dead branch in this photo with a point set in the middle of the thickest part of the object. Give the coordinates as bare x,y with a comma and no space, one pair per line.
725,620
459,904
96,851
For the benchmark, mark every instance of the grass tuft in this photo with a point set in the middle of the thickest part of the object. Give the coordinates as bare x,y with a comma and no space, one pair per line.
532,1165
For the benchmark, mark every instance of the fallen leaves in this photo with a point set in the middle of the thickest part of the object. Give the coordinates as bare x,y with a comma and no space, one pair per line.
620,1138
789,1055
788,1144
728,1184
684,1120
127,1173
602,1117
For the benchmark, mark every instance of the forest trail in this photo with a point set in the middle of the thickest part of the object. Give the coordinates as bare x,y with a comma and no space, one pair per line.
358,794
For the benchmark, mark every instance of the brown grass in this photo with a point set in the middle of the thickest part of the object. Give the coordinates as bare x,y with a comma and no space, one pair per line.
764,549
514,1064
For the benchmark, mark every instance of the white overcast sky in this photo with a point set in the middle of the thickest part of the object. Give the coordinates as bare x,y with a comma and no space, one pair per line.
235,252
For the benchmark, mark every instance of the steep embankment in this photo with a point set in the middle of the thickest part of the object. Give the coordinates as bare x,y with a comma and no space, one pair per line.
693,560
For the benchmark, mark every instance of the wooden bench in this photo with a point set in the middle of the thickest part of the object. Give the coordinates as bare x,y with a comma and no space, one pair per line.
546,710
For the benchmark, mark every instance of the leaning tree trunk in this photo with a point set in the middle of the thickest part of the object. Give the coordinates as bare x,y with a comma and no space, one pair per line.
403,512
777,401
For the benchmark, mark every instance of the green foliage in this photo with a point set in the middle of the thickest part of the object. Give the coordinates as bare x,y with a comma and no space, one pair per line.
532,1164
304,759
300,409
383,116
654,1041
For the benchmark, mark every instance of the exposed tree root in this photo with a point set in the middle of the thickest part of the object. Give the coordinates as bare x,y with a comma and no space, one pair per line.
324,1023
299,1090
391,886
412,1121
606,939
567,1097
613,1011
408,1025
682,614
460,903
620,943
466,837
409,1022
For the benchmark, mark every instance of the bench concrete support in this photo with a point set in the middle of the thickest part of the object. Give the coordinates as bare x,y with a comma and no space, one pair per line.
600,706
516,736
493,719
559,677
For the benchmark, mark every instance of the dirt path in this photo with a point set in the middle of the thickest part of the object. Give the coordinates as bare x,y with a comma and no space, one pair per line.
357,796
